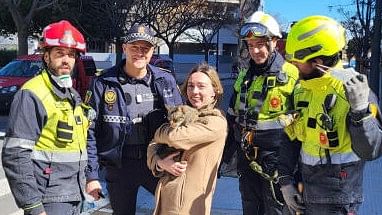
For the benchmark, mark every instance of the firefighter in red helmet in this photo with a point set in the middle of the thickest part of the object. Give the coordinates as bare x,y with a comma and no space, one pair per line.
44,154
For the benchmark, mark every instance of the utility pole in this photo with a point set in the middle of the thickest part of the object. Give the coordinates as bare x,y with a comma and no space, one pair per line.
375,82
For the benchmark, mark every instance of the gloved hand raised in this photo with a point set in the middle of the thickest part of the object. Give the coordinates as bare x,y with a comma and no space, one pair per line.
293,198
357,92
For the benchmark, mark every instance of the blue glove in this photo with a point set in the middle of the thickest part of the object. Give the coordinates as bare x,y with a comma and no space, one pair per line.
293,198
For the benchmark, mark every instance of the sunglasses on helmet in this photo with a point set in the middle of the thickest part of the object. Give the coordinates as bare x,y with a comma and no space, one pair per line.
253,30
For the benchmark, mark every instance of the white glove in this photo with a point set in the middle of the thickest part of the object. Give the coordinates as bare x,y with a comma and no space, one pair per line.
292,197
357,92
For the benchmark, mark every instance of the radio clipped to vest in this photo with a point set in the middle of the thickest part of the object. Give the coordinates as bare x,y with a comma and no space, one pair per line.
328,137
90,113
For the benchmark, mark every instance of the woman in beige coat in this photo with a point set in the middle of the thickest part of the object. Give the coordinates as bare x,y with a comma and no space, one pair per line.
187,186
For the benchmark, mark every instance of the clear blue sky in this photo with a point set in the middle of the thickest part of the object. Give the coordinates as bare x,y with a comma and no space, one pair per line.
287,11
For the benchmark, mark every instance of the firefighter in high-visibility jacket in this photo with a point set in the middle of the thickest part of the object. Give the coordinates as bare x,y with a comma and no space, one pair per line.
257,114
336,108
44,154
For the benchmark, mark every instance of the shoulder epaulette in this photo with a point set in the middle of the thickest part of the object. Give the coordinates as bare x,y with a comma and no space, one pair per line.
164,70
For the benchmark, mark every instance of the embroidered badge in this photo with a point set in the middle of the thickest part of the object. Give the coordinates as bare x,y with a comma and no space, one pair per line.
275,102
110,98
323,138
141,30
87,97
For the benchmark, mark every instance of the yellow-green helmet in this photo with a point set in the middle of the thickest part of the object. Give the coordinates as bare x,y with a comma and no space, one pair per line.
314,36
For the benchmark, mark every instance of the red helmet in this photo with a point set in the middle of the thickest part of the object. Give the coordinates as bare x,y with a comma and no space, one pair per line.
63,34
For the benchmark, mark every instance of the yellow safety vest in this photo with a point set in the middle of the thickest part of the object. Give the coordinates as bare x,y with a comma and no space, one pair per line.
318,140
63,137
276,101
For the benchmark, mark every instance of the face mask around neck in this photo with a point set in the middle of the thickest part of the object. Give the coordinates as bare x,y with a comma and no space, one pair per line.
64,81
339,73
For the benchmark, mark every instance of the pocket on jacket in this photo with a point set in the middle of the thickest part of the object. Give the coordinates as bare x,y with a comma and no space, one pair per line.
173,189
64,132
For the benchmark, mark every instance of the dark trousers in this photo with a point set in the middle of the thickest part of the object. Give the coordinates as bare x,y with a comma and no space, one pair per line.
63,208
332,209
123,184
257,197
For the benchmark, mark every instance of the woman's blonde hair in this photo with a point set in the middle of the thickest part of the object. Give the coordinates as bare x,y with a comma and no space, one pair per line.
211,72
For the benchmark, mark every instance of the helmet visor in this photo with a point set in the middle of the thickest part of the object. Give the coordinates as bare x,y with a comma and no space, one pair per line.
253,30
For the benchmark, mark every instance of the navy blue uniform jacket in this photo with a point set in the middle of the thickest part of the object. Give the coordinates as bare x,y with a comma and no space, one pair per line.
107,133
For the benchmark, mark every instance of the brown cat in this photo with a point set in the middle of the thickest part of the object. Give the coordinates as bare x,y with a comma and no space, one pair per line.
182,115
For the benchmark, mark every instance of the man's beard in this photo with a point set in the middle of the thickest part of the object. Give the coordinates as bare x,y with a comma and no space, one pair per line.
54,69
316,73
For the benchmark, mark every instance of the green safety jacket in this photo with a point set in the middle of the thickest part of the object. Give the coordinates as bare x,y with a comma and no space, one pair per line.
331,171
45,160
272,89
321,102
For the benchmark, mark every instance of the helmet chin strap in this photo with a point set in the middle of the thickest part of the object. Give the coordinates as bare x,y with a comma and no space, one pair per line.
270,48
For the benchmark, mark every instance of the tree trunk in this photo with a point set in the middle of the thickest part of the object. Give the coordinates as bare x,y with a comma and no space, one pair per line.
22,36
376,50
171,51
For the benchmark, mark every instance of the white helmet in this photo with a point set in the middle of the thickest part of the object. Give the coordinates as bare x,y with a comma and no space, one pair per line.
260,24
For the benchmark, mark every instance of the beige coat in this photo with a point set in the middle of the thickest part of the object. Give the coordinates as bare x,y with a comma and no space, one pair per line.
192,192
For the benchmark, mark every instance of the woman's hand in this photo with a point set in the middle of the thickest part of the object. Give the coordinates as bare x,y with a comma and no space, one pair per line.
169,165
94,188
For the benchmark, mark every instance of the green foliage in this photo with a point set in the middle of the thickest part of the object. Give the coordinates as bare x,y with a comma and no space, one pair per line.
6,56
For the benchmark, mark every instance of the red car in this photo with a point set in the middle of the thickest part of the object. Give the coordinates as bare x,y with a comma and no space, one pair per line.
17,72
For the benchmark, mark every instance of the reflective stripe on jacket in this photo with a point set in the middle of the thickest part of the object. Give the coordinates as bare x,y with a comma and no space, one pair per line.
45,160
309,100
331,171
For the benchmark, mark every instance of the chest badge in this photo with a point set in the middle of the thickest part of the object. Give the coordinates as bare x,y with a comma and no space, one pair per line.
110,99
323,138
275,102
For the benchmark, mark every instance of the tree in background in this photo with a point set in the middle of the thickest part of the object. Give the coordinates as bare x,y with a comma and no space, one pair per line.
365,38
359,25
18,16
215,16
376,50
171,18
103,21
107,21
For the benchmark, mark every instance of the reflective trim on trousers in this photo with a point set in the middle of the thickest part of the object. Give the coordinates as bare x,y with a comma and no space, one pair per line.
12,142
339,158
59,156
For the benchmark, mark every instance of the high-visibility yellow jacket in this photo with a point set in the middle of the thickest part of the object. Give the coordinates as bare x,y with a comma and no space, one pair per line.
44,155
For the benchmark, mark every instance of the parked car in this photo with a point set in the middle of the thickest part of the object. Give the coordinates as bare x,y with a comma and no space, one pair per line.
17,72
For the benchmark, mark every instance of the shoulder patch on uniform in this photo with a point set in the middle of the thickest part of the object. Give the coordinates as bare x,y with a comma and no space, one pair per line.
164,70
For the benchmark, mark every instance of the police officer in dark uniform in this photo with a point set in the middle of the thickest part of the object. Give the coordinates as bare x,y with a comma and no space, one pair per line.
129,100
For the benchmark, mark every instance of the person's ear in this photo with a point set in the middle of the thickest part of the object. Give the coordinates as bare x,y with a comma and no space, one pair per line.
46,57
124,47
